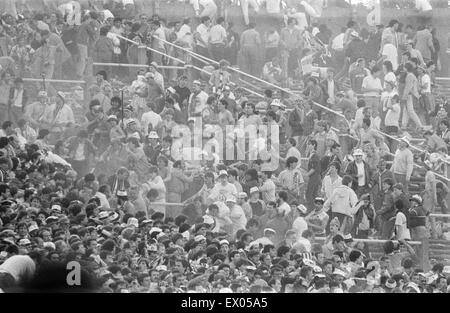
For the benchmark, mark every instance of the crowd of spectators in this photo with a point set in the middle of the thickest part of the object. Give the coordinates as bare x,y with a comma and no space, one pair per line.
135,180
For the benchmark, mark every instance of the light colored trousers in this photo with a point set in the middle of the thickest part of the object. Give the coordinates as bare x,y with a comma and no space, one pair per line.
244,5
408,113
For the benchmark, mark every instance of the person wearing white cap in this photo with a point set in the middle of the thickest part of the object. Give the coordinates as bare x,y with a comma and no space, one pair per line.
237,215
244,204
197,99
360,172
300,224
222,189
403,163
257,205
417,217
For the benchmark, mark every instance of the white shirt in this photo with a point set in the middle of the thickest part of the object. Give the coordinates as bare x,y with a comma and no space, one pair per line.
268,191
103,200
390,51
302,22
328,185
393,116
18,96
361,179
423,5
238,218
371,82
21,267
426,81
185,29
390,77
284,209
338,43
299,225
203,30
401,226
148,118
305,243
221,192
273,6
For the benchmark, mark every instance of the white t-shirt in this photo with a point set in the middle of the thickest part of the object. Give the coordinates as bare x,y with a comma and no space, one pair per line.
390,77
203,30
307,64
148,118
221,192
426,81
299,225
401,226
362,178
273,6
423,5
285,209
390,51
21,267
393,116
371,83
338,43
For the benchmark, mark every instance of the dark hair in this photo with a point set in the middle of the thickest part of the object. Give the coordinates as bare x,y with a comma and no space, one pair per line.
347,179
388,65
291,160
374,70
314,143
220,20
283,195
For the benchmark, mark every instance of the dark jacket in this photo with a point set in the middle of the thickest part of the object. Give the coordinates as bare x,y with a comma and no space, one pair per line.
112,182
352,170
417,217
356,49
295,123
387,210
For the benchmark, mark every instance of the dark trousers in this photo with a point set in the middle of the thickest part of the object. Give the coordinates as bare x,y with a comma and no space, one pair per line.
6,281
218,52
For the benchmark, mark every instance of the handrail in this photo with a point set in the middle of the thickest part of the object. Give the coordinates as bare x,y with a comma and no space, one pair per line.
275,86
412,243
151,49
68,81
137,65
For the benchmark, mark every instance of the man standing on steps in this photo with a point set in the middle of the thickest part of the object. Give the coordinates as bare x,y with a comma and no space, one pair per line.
250,47
403,164
217,39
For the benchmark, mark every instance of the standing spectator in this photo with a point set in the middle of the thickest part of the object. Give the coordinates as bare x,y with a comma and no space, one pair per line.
218,39
87,37
424,43
410,97
271,43
250,47
201,37
403,164
291,41
313,173
360,172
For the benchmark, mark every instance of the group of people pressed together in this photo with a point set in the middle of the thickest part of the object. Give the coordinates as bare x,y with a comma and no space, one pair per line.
120,186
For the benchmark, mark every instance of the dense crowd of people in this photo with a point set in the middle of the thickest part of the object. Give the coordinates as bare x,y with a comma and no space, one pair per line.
170,180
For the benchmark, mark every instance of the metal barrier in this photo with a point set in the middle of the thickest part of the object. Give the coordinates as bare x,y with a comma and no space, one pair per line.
138,65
